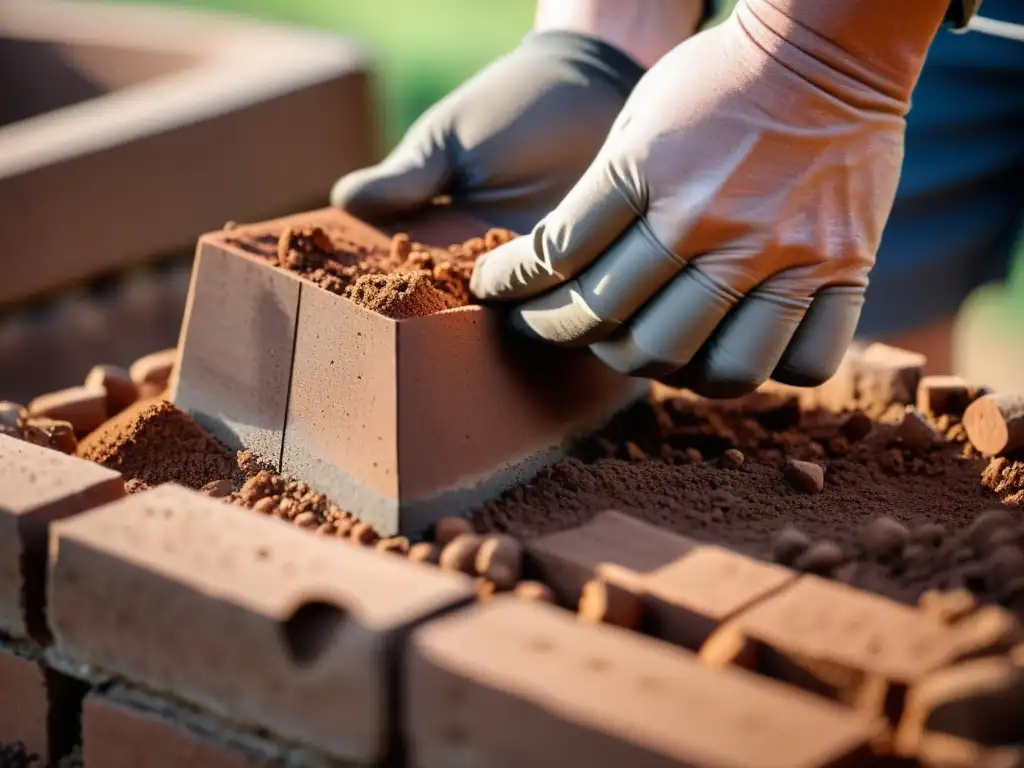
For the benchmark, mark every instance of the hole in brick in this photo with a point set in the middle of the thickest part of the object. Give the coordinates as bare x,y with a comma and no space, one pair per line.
311,630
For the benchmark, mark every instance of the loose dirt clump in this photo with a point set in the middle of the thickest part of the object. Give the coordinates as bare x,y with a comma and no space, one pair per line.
405,280
664,462
400,295
153,442
279,496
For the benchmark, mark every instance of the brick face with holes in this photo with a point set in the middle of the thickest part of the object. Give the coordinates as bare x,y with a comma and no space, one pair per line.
247,616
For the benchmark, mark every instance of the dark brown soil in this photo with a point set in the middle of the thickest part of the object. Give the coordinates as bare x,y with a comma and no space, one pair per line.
407,280
153,442
664,462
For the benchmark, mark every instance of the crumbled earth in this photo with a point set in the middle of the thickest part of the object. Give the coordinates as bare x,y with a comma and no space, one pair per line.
279,496
400,295
153,442
665,463
406,280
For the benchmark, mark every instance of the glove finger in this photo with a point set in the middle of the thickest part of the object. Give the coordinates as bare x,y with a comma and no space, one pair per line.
745,348
604,296
406,180
666,334
817,348
570,238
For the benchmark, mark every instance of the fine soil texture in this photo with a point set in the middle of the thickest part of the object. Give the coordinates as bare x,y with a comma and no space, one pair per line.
406,280
152,442
891,517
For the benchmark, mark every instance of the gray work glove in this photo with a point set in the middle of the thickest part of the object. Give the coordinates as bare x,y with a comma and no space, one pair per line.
725,232
508,144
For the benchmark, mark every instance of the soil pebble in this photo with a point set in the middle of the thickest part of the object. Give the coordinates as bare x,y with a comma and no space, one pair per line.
534,590
884,538
425,552
805,476
732,459
447,528
822,557
460,553
218,488
916,432
789,544
500,559
395,545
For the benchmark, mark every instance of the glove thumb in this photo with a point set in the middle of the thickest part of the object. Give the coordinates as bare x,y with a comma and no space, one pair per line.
408,179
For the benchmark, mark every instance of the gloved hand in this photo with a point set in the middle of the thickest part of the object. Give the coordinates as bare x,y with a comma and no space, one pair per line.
508,144
725,232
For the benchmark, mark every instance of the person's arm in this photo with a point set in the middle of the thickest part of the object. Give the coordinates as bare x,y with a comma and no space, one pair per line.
725,231
643,29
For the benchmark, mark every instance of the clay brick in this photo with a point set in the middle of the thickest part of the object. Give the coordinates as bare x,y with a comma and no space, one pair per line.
151,373
859,648
116,382
83,407
236,349
940,395
246,616
887,375
595,695
37,487
387,449
691,597
344,356
24,705
38,706
232,83
981,701
569,559
122,728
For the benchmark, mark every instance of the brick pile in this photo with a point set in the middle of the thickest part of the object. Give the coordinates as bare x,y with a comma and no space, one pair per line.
167,628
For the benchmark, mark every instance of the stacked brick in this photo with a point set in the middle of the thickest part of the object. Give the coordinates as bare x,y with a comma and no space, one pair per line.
167,628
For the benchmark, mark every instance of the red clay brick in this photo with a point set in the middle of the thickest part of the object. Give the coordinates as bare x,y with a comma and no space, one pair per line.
38,486
116,731
85,408
981,701
232,84
593,695
24,705
246,616
236,348
857,647
569,559
116,382
691,597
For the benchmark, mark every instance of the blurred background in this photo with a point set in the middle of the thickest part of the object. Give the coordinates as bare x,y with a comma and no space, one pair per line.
391,60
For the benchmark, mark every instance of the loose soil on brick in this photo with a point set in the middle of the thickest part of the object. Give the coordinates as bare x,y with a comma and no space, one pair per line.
407,280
